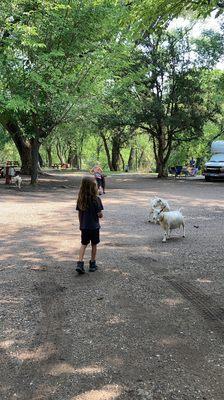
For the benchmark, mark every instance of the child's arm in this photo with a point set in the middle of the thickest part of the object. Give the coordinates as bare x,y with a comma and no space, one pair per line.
99,208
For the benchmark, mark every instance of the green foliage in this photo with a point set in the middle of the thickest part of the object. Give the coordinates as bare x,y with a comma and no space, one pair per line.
85,77
8,150
209,48
45,56
150,14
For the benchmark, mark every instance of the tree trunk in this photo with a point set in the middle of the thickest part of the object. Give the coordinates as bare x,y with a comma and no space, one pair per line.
160,157
122,160
59,153
141,158
35,145
25,157
98,149
22,145
80,162
49,156
41,163
107,151
131,159
115,154
73,158
161,169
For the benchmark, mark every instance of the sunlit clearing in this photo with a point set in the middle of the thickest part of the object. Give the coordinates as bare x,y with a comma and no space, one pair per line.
110,392
9,301
65,368
115,320
115,361
172,302
169,341
41,353
204,280
5,344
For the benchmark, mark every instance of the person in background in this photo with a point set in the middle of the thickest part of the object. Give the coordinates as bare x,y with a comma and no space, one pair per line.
90,209
9,172
192,162
99,176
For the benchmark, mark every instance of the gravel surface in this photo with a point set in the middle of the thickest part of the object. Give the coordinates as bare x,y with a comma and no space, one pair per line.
148,325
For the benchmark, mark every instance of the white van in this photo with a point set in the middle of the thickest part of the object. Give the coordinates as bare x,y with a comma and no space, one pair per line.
214,168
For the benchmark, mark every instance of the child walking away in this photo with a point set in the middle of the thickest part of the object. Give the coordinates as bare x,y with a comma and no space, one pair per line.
90,209
100,178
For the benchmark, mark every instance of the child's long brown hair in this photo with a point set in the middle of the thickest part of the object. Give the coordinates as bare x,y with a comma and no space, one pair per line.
87,192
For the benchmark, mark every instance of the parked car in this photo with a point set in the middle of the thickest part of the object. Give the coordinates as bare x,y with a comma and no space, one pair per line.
214,168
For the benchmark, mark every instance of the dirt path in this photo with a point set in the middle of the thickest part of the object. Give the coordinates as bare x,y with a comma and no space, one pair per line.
148,325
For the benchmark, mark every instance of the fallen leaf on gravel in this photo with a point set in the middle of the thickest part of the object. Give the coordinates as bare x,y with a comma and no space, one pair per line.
100,298
42,268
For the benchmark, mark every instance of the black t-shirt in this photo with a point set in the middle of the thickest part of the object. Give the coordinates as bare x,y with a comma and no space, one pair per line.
89,219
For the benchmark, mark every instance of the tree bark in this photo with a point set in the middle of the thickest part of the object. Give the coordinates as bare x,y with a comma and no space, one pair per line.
115,154
131,159
59,153
35,145
107,151
73,158
41,163
160,157
122,160
98,149
22,145
49,156
141,158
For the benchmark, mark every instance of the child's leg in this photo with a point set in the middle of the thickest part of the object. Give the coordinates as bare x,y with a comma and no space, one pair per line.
93,252
103,183
84,243
82,251
99,183
95,239
92,264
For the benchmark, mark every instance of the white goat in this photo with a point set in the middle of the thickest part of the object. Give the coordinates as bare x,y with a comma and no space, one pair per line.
17,180
169,220
157,204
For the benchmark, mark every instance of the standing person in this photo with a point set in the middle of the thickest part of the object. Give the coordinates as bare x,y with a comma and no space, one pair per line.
90,209
99,176
192,162
9,172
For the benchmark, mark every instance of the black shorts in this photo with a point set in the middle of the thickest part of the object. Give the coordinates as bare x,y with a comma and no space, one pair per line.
90,235
99,182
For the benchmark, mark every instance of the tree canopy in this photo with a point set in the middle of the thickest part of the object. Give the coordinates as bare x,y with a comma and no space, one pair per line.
105,69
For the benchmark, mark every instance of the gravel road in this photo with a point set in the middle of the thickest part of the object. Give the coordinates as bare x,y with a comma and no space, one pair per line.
148,325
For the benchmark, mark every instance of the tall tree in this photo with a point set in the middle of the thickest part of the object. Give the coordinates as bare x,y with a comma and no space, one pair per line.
48,49
171,94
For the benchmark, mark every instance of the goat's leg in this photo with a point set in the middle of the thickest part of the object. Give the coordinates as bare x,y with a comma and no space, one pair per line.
168,232
150,216
164,237
183,229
